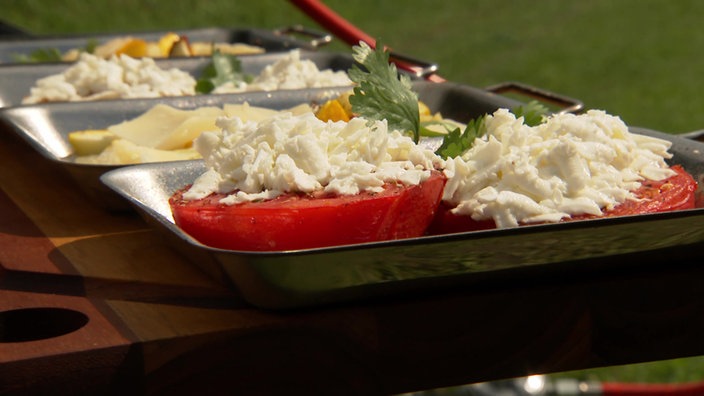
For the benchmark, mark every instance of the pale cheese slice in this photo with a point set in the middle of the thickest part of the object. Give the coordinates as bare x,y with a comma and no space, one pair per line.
247,112
163,126
165,133
123,152
90,142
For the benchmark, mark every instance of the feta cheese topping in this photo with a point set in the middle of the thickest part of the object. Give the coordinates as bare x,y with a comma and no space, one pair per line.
287,153
289,72
570,164
120,76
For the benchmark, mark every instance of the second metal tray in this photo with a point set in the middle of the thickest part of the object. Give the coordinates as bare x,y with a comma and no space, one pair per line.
17,80
269,40
46,126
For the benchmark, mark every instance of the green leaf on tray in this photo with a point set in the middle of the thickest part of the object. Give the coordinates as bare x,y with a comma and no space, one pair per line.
532,112
222,69
43,55
457,142
381,93
40,56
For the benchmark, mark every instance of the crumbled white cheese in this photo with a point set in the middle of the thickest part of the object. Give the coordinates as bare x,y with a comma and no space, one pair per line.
289,72
120,76
288,153
570,164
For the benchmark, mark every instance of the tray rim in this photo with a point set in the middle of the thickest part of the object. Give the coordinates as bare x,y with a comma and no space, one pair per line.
111,177
191,65
260,98
51,40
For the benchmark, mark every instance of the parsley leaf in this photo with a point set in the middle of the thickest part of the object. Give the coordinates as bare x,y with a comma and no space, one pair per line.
381,93
532,112
455,143
223,68
91,45
40,55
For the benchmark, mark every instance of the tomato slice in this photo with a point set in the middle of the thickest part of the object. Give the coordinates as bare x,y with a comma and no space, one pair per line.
298,221
674,193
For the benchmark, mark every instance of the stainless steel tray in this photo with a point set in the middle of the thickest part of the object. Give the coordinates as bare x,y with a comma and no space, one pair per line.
17,80
269,40
294,279
46,126
697,135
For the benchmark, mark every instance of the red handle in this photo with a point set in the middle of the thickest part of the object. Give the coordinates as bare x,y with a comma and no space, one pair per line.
333,22
623,389
347,32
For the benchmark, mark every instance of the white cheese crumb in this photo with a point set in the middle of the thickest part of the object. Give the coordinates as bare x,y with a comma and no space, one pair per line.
570,164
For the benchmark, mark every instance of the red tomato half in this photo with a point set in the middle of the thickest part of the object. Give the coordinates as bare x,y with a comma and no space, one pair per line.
674,193
297,221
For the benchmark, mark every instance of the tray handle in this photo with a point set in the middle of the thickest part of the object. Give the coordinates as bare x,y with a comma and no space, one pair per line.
419,68
565,103
697,135
317,38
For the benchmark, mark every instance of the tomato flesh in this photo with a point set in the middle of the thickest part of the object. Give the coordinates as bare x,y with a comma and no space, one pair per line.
298,221
674,193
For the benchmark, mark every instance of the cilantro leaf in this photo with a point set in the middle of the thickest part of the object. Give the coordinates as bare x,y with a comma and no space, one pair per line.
455,143
42,55
223,68
91,45
532,112
39,56
381,93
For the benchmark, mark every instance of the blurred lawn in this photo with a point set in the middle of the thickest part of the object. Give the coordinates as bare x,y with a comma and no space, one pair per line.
635,58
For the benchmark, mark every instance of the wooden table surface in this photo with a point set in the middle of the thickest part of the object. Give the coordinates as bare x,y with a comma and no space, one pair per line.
93,302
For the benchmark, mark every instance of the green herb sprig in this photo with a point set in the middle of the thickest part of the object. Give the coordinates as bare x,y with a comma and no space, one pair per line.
381,93
45,55
457,142
222,69
41,55
533,112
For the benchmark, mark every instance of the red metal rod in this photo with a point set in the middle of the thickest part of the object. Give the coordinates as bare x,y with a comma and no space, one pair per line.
622,389
346,31
333,22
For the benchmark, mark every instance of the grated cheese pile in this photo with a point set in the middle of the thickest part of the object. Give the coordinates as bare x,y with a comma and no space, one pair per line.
288,153
120,76
570,164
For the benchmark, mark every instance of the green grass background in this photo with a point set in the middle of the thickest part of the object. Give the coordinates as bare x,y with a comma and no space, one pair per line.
639,59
